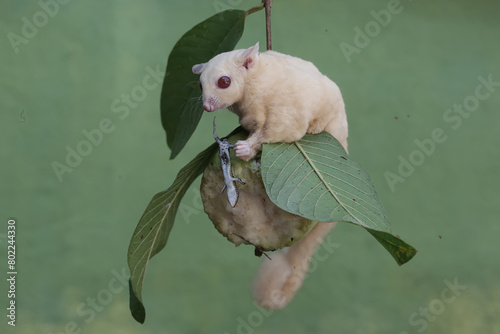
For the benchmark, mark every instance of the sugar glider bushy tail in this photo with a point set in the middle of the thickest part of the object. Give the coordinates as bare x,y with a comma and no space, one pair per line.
278,279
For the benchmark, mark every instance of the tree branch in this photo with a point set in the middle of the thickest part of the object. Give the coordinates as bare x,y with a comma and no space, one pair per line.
267,5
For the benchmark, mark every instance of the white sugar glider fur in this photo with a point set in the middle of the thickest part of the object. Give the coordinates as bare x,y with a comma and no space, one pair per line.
278,98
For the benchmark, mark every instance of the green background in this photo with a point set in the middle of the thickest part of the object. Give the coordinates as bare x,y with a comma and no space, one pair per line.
72,235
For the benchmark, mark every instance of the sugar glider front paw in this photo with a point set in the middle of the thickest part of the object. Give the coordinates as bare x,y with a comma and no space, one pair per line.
243,150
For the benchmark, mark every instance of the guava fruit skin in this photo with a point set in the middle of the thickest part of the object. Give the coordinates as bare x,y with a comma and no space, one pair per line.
255,220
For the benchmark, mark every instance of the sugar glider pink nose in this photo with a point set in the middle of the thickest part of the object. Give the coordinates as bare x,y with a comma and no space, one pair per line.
208,106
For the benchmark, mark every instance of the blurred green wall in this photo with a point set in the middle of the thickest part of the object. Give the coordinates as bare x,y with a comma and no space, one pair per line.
403,85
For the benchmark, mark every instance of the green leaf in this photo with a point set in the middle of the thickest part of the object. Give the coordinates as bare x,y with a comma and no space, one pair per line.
136,307
153,229
181,105
316,179
400,250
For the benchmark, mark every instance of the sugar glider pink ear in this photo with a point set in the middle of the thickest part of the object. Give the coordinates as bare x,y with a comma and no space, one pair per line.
249,56
198,68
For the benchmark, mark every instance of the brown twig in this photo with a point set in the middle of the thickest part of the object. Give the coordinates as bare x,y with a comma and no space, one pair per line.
267,5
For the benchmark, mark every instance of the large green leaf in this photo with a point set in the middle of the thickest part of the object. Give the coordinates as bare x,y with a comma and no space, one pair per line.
153,229
181,106
315,178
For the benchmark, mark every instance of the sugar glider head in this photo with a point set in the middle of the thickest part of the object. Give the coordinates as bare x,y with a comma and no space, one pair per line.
223,77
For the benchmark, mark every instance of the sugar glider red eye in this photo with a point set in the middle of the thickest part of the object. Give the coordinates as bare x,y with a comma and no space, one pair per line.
224,82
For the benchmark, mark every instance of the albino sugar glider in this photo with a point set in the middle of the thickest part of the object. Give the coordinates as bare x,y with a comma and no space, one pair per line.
278,98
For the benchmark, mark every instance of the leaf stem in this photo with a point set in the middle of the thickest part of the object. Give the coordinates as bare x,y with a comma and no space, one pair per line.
255,9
